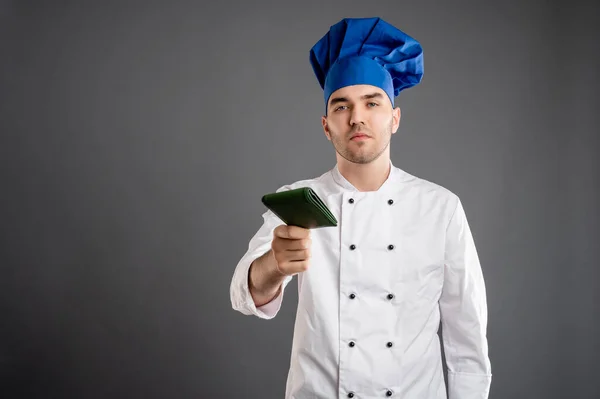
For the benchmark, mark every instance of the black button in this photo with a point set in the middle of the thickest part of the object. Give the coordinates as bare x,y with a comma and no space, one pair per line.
389,344
351,344
390,296
353,247
390,201
389,393
352,296
390,247
350,394
351,200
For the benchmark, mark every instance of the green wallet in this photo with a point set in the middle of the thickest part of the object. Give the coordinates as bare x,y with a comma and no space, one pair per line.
300,207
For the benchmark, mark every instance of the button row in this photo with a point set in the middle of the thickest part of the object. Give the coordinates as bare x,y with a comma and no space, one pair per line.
389,296
353,295
353,247
352,344
387,393
390,201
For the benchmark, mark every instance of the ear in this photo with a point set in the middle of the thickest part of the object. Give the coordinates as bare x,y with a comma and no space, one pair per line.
396,115
325,127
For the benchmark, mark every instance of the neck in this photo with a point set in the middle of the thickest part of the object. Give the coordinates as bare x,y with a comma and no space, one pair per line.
365,177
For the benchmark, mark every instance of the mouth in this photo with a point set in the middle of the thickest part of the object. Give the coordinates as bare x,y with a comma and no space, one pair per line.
359,137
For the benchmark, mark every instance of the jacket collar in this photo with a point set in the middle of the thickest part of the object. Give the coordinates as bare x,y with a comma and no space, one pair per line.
396,175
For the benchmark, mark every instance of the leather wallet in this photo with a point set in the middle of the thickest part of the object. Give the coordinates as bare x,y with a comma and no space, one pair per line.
300,207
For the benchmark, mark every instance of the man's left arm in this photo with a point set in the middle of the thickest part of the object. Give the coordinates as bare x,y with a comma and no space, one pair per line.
463,309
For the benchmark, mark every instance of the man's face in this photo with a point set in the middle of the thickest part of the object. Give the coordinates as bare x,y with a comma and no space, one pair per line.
360,122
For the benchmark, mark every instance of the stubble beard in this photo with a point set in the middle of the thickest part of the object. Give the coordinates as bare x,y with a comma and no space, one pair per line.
361,155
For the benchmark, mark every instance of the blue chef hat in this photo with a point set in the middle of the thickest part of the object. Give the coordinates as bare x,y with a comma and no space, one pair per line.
366,51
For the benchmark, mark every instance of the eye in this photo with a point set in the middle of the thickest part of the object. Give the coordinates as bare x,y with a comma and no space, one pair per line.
340,108
372,104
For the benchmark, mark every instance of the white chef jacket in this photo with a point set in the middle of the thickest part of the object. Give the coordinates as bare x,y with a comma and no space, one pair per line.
401,259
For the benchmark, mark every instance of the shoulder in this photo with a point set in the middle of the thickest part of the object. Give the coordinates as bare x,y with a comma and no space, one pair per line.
428,191
424,185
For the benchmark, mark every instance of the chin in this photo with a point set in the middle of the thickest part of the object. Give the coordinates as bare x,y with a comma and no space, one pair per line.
360,159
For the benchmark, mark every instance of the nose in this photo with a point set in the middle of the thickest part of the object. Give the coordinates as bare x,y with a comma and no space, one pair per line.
357,117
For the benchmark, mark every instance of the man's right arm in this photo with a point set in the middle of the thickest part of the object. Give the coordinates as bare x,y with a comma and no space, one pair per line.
276,253
252,270
264,279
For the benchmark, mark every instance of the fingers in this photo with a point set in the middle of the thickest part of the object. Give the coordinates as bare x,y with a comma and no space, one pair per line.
291,268
292,249
286,244
291,232
298,255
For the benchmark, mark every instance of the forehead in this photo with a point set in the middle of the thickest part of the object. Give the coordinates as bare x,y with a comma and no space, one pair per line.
355,92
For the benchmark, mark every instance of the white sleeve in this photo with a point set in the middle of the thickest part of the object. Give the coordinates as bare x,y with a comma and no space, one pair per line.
241,300
463,309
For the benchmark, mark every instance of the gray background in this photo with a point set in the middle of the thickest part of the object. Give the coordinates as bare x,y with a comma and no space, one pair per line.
137,139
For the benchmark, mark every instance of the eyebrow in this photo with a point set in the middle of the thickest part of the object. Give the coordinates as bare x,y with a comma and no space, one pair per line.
364,97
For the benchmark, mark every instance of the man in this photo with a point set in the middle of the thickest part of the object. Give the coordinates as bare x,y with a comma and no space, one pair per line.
372,290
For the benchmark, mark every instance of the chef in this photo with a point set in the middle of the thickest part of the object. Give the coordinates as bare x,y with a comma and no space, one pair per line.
372,290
